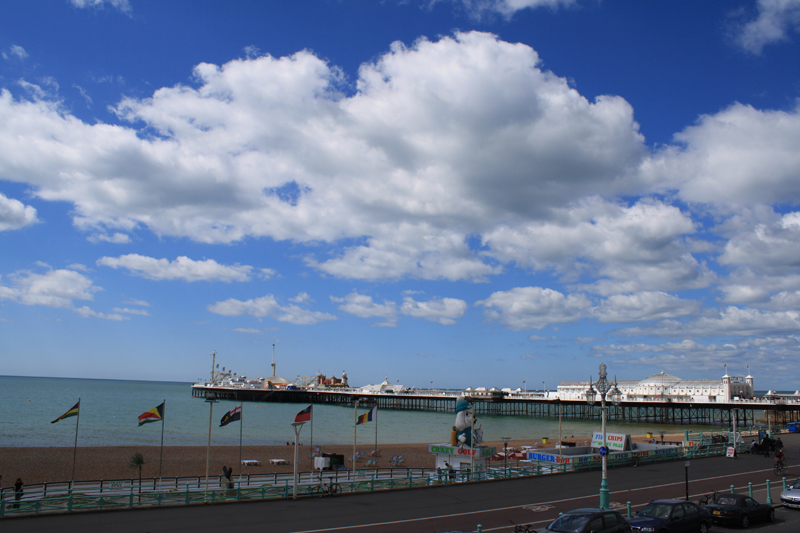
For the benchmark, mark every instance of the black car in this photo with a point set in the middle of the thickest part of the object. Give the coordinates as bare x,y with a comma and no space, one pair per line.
739,509
671,516
589,520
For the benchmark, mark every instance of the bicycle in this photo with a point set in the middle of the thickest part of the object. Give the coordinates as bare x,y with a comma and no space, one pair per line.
522,528
708,498
323,488
781,468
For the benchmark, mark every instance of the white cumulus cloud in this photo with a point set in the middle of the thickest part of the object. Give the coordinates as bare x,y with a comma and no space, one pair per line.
182,268
534,307
55,288
442,140
14,214
268,306
775,20
444,310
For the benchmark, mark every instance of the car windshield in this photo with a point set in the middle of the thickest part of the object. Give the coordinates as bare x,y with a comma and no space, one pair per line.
569,523
795,484
723,500
656,510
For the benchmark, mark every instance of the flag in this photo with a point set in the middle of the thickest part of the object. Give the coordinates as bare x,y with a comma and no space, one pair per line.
304,415
368,417
231,416
156,414
72,412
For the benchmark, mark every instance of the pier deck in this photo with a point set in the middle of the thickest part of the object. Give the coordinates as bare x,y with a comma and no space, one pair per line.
535,405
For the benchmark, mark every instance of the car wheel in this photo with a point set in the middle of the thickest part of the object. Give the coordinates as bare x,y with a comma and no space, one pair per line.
745,521
771,516
703,527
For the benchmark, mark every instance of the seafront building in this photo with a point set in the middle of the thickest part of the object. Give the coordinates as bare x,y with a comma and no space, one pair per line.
668,388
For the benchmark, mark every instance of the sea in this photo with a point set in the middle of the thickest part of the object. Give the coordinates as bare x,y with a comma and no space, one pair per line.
110,409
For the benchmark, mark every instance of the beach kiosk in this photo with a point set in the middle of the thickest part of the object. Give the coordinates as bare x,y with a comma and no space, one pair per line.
460,457
464,450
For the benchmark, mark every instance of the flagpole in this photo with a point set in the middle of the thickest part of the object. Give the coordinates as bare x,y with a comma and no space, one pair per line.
241,428
163,423
297,426
355,426
75,448
376,435
211,400
312,437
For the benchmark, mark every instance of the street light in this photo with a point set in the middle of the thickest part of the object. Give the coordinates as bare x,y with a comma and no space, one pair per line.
603,388
505,453
560,438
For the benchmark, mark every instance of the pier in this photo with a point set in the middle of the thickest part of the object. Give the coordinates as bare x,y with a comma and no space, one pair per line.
533,404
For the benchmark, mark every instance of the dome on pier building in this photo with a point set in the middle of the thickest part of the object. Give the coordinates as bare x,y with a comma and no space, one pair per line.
660,380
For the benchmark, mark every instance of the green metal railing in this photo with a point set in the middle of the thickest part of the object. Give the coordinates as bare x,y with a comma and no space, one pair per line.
67,497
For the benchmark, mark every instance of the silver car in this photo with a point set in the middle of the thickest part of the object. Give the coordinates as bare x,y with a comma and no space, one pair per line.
791,496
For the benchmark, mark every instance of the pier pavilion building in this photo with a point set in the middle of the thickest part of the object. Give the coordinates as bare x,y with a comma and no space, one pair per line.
668,388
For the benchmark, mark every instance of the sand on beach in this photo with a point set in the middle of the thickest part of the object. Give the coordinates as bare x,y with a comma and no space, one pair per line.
39,465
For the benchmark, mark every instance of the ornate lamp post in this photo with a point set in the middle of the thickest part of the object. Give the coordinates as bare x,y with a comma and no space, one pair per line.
604,388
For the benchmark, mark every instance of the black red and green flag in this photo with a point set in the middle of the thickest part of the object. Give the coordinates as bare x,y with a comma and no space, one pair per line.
72,412
231,416
156,414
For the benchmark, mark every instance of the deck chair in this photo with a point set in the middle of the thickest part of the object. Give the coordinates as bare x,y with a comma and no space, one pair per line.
397,460
357,456
375,453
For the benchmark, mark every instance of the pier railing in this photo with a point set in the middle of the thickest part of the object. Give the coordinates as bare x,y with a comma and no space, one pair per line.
129,493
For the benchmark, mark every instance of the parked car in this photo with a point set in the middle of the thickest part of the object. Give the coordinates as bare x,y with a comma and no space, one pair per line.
587,521
671,516
739,509
791,496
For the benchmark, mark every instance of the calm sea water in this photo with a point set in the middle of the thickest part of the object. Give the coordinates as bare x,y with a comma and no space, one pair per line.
110,411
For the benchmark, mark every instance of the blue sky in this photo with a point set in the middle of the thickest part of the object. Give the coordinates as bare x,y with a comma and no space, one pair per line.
452,192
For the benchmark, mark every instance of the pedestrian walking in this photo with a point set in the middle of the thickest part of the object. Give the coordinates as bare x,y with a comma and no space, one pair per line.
17,492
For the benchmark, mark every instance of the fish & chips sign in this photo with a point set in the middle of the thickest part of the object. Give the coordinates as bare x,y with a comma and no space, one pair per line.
615,442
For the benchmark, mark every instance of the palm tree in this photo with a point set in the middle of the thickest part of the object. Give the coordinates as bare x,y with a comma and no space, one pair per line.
137,461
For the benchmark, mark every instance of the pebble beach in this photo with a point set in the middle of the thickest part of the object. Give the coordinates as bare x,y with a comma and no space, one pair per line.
49,464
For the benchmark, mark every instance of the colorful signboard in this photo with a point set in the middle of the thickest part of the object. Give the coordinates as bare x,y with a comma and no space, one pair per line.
575,460
615,442
480,451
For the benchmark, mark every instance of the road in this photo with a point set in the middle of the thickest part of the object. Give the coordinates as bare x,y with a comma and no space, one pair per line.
455,507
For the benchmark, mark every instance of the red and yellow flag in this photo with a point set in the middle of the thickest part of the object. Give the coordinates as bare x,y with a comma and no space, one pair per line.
156,414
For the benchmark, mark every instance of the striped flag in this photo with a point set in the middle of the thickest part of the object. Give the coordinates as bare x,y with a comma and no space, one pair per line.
231,416
368,416
72,412
303,416
156,414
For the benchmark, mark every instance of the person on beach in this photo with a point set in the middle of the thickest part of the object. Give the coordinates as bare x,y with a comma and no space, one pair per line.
228,471
451,472
17,492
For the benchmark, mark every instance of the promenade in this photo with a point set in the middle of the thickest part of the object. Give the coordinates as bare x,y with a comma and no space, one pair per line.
463,506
